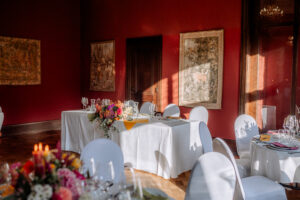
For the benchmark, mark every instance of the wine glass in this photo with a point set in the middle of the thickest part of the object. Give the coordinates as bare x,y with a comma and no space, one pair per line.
93,105
136,109
152,110
84,102
98,101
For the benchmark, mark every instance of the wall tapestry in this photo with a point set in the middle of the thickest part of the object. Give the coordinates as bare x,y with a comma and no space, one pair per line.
201,69
102,77
20,61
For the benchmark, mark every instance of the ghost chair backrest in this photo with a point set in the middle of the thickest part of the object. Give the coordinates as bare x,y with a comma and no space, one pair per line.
199,113
104,154
212,178
171,110
147,107
245,128
221,146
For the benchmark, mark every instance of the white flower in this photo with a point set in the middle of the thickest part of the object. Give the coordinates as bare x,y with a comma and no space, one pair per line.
48,191
37,188
40,192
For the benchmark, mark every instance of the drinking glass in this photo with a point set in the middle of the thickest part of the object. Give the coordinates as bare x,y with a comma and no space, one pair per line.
93,105
98,101
84,102
282,135
152,110
136,109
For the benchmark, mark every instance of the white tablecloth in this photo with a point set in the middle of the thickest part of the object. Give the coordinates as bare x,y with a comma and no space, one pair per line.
276,165
165,148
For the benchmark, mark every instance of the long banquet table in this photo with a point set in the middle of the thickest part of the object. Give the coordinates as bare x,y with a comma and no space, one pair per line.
163,147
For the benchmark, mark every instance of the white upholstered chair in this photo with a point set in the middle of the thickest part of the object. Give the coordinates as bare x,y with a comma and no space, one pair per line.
103,152
205,137
253,187
1,118
199,113
147,108
245,128
171,110
212,178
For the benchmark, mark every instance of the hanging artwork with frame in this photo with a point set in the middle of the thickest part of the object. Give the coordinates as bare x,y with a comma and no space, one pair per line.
102,71
201,69
20,61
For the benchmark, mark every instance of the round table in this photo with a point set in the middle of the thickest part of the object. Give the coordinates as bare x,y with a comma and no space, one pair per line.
280,166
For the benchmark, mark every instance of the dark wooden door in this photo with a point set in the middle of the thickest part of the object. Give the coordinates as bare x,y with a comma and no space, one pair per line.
143,70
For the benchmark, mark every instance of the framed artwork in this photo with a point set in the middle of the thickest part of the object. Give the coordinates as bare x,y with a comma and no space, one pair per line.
20,61
201,69
102,76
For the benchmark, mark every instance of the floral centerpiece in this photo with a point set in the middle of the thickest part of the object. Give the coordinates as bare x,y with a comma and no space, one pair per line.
106,115
47,175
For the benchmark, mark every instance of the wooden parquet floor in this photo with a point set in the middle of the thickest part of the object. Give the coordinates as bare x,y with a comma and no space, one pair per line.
19,147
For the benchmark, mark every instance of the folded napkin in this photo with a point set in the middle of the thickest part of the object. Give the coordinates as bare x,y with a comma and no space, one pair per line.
130,124
6,190
272,132
170,117
284,146
264,137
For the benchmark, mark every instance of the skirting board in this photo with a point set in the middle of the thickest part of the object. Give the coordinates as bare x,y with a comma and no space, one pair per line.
31,128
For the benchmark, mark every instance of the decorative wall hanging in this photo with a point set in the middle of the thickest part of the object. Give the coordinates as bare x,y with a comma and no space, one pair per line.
201,69
20,61
102,77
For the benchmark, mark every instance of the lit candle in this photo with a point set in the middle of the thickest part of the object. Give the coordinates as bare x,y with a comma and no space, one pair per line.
46,152
40,147
35,153
47,149
35,148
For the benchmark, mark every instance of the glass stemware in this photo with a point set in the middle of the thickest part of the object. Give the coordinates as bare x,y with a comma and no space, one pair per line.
93,105
136,109
85,102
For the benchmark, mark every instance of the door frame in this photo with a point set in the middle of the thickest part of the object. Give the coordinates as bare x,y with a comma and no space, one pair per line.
128,74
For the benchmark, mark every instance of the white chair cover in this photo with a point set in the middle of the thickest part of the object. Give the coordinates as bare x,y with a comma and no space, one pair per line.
147,107
245,128
199,113
212,178
172,110
253,187
220,146
103,152
1,118
205,138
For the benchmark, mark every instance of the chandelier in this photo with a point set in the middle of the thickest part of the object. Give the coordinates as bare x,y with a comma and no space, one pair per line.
271,9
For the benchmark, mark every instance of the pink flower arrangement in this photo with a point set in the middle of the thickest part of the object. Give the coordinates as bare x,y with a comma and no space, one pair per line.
51,174
62,194
69,180
106,115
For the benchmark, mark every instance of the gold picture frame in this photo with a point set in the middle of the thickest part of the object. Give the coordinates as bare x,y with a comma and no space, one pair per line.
20,61
102,71
201,69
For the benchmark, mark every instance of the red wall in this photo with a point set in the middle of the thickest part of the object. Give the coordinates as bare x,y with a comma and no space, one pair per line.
118,20
57,24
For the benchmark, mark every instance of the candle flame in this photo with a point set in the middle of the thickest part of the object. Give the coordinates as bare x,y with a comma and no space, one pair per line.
40,146
35,147
47,148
